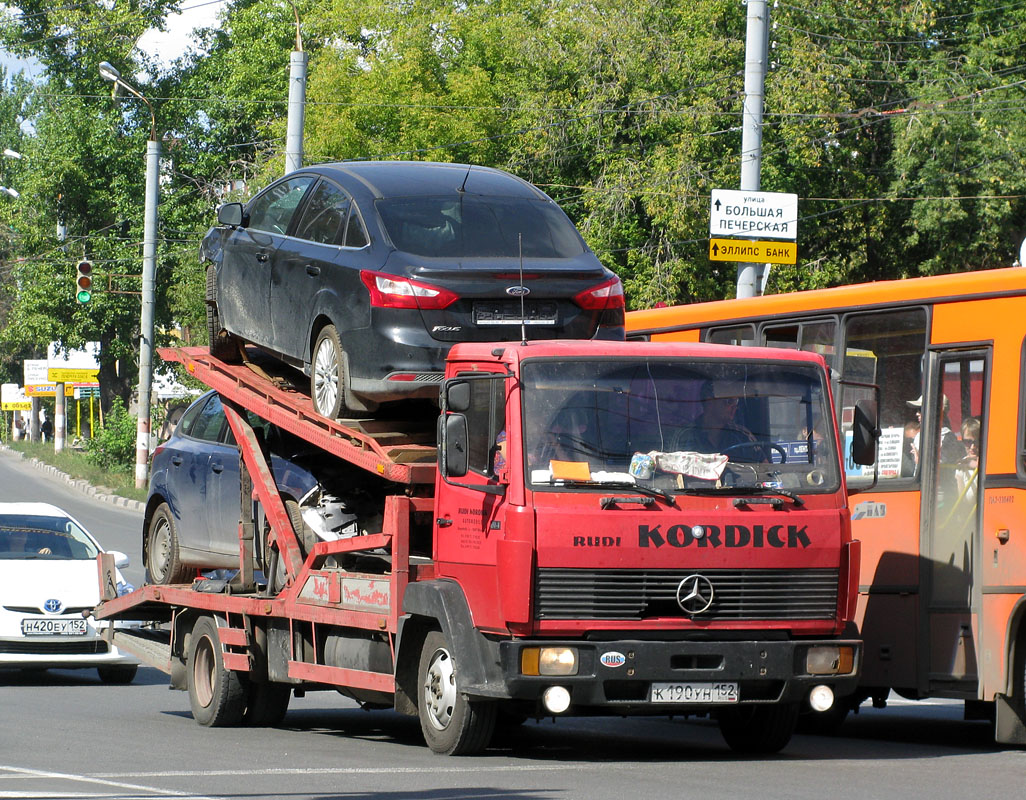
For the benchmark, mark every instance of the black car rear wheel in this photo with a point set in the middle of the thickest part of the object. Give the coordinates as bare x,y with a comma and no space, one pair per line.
327,376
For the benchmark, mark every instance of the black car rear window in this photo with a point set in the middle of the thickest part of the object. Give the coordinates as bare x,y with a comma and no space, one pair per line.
474,226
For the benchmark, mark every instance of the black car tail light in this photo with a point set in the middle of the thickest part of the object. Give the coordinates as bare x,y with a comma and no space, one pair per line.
388,291
607,296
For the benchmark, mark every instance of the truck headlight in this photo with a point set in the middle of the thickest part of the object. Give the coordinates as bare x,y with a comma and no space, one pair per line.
548,661
830,660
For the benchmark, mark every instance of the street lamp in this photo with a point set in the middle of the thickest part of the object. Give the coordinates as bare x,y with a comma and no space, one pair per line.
142,440
10,191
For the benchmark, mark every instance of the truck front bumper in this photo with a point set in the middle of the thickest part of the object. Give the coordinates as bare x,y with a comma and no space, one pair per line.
637,676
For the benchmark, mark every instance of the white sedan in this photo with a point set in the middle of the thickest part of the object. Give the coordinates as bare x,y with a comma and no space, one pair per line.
48,577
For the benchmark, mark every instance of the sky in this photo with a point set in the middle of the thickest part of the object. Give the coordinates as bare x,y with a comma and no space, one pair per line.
167,45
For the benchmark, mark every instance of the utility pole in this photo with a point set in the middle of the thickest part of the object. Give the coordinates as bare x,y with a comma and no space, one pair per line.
149,282
756,55
297,103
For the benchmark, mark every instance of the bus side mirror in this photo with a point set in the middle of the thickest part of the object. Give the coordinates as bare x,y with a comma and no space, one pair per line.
864,433
454,453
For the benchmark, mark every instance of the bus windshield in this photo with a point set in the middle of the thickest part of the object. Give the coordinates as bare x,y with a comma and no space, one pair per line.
679,425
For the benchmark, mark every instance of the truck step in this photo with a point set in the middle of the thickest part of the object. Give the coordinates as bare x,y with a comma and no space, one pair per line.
152,647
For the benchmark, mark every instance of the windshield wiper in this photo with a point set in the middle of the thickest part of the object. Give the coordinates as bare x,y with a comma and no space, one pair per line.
762,491
634,487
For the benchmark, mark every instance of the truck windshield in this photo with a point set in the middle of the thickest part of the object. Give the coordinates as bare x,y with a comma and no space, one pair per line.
679,425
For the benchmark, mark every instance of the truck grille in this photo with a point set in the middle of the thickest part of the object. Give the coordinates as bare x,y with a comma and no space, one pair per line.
738,594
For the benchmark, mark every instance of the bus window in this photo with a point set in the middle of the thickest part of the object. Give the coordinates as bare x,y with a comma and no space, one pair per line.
738,334
816,337
886,349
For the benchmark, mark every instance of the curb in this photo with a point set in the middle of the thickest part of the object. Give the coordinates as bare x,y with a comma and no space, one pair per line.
80,484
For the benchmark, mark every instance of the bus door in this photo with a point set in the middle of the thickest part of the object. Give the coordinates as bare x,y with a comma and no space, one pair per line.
950,448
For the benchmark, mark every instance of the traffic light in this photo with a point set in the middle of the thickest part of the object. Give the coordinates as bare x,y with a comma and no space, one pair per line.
84,282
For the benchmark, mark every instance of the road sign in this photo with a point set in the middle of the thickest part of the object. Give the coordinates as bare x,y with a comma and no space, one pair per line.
758,215
65,375
759,252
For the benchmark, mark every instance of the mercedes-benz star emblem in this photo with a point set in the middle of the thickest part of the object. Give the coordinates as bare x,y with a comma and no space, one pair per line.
53,606
695,594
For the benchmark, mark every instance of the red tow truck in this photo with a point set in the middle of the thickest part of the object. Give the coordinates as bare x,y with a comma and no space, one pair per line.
597,528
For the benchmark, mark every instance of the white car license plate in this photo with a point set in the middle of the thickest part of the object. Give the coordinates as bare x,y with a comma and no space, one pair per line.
693,693
54,627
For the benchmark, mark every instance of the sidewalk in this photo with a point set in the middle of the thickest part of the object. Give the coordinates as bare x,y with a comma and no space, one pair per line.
80,484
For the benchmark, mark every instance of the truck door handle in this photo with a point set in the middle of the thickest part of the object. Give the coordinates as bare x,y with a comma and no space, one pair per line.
218,468
312,270
177,461
442,522
262,258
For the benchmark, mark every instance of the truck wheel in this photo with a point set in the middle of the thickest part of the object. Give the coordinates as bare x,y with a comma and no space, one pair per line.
327,376
217,695
163,562
117,676
759,729
266,703
223,345
451,724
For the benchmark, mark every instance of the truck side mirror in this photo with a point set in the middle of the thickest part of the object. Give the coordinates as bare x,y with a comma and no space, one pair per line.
457,396
864,433
230,214
454,453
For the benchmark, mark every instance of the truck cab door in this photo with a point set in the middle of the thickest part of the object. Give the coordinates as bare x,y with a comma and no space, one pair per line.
468,519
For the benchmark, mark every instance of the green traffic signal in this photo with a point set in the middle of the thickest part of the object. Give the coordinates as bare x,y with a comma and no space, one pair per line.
84,282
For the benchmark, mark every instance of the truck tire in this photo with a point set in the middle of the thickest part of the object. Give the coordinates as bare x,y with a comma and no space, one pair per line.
452,725
759,729
266,704
217,695
163,562
224,346
327,376
117,675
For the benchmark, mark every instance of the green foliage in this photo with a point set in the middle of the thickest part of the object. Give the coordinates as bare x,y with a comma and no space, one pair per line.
900,127
113,446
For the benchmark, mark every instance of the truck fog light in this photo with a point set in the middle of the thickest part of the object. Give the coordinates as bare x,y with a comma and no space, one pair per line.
556,699
829,660
548,661
821,698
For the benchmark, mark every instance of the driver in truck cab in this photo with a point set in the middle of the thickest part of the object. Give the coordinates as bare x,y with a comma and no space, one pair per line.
715,429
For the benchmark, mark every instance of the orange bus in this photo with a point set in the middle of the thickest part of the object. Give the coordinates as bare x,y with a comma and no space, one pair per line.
942,515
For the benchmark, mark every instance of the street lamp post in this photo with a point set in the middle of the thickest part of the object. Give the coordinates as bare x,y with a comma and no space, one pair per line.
149,265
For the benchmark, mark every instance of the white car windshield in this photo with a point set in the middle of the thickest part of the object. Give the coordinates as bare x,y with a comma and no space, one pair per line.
32,536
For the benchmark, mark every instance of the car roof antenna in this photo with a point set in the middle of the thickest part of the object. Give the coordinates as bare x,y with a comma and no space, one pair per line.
463,186
523,315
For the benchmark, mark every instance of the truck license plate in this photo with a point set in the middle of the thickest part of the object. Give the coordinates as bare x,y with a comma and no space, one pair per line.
693,693
53,627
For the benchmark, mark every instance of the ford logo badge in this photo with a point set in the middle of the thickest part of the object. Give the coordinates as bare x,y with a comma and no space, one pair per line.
518,291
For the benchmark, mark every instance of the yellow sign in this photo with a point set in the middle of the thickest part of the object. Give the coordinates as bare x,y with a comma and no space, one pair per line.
760,252
67,375
48,390
16,405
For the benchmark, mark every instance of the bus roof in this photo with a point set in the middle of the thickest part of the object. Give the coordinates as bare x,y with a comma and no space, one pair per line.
878,294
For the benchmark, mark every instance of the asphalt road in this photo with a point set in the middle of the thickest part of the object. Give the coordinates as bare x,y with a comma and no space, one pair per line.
63,734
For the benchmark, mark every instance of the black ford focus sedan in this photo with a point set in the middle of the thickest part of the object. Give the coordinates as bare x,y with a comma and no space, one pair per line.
364,274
